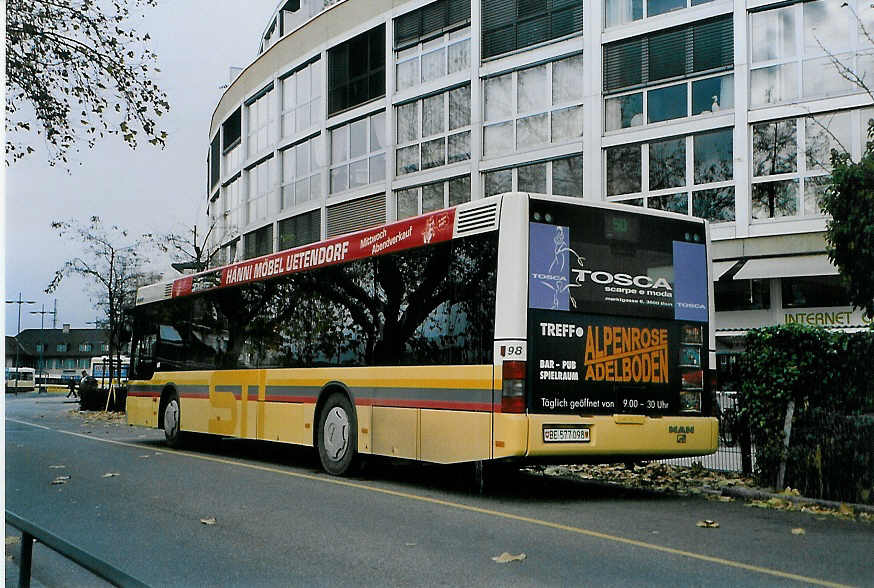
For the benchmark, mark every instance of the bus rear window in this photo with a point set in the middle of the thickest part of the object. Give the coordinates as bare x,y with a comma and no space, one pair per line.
592,260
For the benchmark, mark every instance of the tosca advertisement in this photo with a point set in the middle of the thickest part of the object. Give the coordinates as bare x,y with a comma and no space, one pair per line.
572,271
594,364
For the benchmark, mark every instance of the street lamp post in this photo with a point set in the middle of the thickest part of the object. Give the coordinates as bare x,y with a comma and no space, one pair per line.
19,302
42,338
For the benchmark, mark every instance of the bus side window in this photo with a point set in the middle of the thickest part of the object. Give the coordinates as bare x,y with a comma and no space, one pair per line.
144,361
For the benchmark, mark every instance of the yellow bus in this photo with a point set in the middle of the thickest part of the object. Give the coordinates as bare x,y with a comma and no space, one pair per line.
518,328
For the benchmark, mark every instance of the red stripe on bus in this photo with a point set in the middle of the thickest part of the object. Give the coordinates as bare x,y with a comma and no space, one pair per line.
434,227
448,405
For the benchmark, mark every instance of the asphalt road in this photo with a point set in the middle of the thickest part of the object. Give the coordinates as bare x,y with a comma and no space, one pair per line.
279,521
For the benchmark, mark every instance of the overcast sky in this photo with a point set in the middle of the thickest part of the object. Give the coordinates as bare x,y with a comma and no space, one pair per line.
144,190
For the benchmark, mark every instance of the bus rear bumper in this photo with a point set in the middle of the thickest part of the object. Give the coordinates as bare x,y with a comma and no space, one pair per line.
616,437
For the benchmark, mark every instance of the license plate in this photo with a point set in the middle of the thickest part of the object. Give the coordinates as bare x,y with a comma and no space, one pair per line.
565,433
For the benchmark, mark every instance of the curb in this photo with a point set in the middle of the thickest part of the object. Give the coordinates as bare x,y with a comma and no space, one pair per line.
752,494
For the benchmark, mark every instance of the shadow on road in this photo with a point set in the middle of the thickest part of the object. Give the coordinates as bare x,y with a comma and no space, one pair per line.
505,483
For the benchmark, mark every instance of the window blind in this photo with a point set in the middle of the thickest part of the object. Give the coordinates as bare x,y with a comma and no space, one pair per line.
678,52
416,26
509,25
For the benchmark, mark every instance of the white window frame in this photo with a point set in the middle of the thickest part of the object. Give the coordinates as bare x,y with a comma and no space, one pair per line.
857,48
370,155
421,138
517,115
689,188
415,53
290,181
805,173
645,103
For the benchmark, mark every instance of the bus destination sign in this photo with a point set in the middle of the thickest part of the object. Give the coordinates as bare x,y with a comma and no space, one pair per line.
408,234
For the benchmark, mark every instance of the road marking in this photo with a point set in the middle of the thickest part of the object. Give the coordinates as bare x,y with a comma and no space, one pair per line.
464,507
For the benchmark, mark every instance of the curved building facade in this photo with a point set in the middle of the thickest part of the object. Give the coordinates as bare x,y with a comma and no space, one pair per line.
358,112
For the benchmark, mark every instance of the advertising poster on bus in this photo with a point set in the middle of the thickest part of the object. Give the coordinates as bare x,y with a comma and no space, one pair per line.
608,297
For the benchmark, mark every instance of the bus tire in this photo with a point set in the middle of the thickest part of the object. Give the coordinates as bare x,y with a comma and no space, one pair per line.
337,438
173,435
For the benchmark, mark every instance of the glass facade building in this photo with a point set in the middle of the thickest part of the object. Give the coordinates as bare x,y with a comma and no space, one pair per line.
359,112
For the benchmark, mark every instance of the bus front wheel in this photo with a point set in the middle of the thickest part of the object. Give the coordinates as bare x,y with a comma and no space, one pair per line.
337,437
172,413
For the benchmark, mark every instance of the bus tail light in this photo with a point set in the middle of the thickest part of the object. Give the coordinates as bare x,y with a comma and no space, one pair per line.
692,375
513,391
691,389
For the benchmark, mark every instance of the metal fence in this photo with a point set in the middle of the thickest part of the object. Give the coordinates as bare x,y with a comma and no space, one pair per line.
729,455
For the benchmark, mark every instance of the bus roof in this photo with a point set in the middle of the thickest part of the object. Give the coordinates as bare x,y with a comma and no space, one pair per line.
435,227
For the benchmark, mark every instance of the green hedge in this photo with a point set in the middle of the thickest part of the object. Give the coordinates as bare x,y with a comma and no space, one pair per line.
829,376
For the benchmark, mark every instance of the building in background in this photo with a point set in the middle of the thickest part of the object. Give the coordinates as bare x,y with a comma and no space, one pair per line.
65,352
358,112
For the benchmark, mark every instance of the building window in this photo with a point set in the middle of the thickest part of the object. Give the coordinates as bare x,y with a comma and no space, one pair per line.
261,122
356,71
792,49
228,253
690,175
742,295
433,131
231,150
433,59
620,12
84,363
431,197
301,172
509,25
300,230
562,177
70,364
354,215
232,206
258,243
214,162
814,291
702,97
302,98
84,347
40,347
259,203
62,347
520,116
686,51
432,42
792,160
358,153
104,348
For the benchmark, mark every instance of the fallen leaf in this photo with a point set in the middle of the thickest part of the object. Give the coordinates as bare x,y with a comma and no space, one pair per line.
145,456
845,509
57,467
790,492
110,475
13,540
707,524
410,544
208,521
507,557
798,531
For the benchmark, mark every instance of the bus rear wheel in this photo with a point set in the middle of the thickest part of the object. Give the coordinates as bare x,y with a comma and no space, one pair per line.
172,418
337,438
